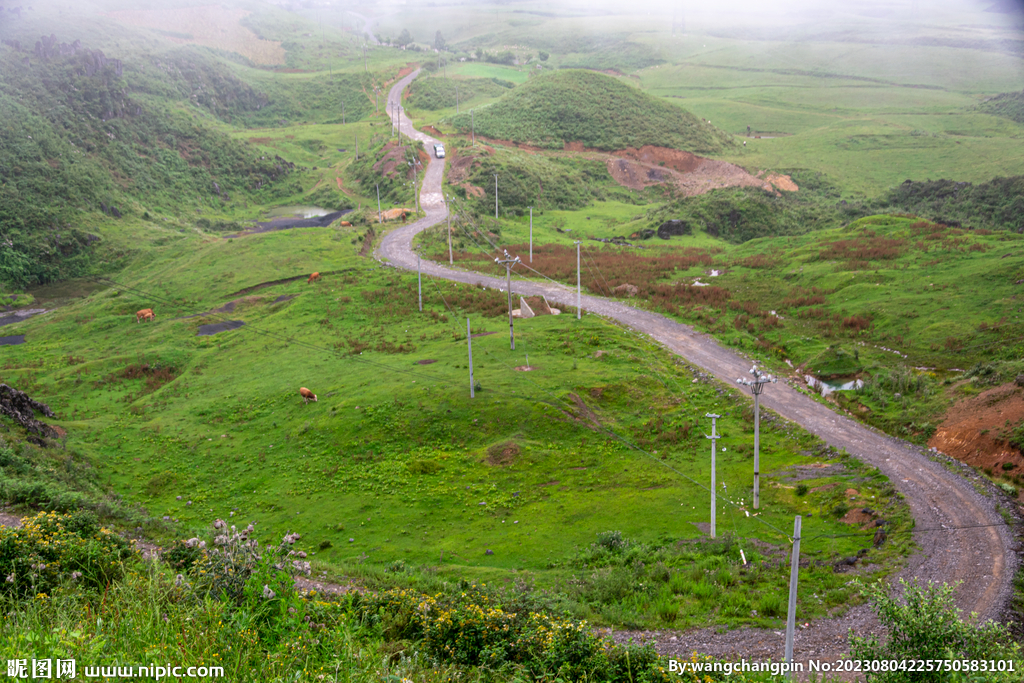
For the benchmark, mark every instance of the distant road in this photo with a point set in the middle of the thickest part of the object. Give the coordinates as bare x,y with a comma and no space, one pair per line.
960,534
367,22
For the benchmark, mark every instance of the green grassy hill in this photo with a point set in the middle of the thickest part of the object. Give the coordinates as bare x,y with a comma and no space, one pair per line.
599,111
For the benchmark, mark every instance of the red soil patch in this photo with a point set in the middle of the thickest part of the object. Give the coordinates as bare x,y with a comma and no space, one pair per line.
973,429
691,174
684,162
782,182
433,131
405,71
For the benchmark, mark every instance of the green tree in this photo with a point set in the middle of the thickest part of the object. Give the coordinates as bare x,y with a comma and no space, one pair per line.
438,41
924,624
404,38
543,55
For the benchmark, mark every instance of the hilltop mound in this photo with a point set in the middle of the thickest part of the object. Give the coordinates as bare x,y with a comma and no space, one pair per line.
596,110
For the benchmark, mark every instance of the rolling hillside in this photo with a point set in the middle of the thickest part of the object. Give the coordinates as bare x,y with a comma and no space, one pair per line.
598,111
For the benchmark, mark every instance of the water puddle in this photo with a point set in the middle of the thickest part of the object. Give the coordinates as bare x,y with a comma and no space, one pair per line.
826,387
298,212
209,330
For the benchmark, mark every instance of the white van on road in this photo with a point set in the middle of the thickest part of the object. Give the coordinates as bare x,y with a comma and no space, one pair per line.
439,151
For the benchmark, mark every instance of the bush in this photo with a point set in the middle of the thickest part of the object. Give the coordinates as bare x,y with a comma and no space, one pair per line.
52,548
925,624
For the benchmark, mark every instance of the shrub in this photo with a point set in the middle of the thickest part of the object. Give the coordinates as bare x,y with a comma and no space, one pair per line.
51,548
925,624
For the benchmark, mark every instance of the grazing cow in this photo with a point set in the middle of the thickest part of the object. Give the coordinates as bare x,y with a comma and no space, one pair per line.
312,278
307,395
145,313
346,224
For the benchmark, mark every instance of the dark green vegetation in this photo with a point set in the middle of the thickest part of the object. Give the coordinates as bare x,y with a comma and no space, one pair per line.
596,110
528,179
995,205
924,623
440,93
1008,104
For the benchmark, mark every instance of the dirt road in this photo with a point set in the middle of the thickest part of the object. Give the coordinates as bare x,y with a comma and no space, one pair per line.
961,535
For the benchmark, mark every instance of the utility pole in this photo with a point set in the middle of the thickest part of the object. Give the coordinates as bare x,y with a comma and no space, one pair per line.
365,69
579,312
357,148
469,341
419,281
376,99
472,124
448,210
531,234
508,262
415,193
495,196
756,387
343,113
456,99
794,570
714,437
380,219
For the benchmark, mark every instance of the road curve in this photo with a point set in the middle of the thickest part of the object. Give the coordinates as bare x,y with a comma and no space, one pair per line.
963,547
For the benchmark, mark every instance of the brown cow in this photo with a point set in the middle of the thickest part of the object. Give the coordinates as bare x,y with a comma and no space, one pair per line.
146,313
346,224
307,395
313,278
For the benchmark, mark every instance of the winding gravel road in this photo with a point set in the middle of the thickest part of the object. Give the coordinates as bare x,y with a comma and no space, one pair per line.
961,535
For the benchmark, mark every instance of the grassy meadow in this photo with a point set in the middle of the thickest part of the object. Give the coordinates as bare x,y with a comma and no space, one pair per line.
395,463
574,484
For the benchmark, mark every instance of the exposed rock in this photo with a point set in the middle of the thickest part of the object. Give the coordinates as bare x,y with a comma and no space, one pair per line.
627,289
18,406
673,227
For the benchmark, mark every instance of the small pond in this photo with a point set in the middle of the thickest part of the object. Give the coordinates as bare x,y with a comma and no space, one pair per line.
826,387
298,212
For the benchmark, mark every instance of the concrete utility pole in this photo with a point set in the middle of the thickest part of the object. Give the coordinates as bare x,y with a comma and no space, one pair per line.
495,196
714,437
343,113
469,341
415,187
379,218
756,387
448,211
357,148
456,99
472,124
419,281
508,262
794,569
579,310
365,69
531,234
